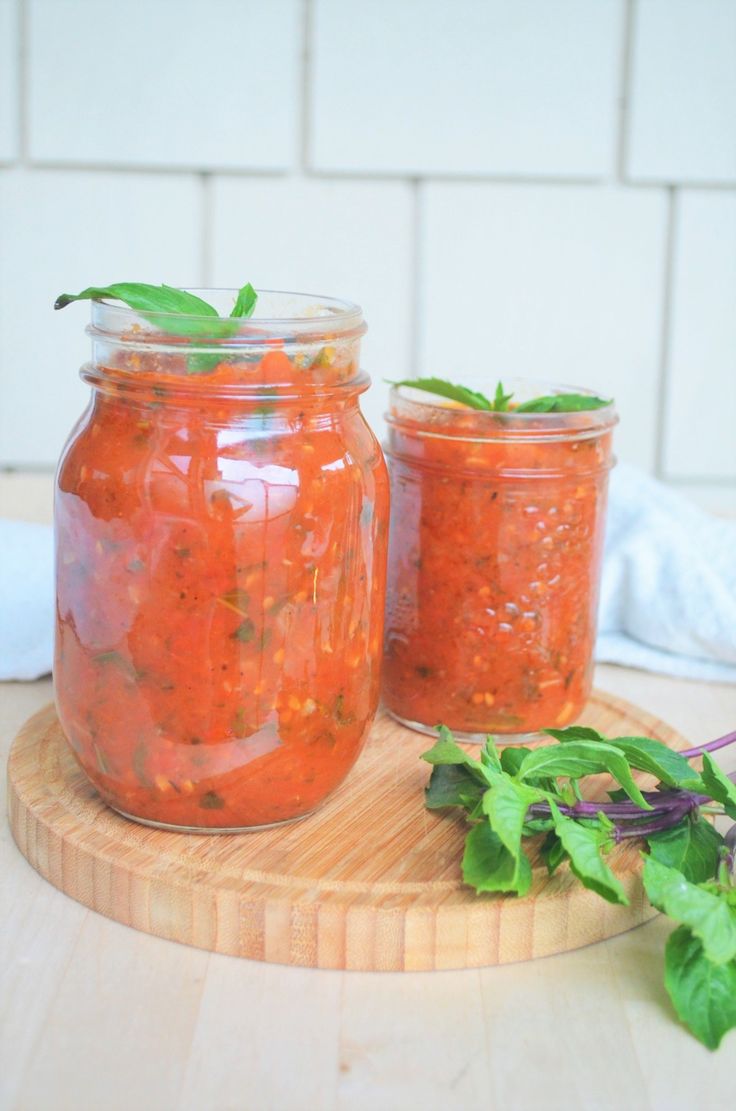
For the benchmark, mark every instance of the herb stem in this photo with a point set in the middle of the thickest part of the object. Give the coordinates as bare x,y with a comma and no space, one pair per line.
712,746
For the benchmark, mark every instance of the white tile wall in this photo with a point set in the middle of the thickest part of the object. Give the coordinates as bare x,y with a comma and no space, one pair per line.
700,436
455,167
346,238
164,82
560,282
468,87
9,54
683,91
63,231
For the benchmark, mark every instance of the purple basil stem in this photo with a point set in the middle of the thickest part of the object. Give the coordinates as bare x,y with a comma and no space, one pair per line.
712,746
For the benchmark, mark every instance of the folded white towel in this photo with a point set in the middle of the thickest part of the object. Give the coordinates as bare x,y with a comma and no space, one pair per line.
668,597
26,600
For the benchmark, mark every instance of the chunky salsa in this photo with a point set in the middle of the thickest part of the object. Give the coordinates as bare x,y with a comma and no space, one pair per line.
496,541
220,559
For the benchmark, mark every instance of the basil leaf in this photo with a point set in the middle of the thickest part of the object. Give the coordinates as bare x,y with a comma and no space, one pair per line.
186,314
718,785
552,852
708,915
583,845
446,751
501,400
693,848
512,757
505,803
562,403
643,753
150,300
489,755
576,733
489,866
143,297
447,389
579,758
452,785
246,302
702,993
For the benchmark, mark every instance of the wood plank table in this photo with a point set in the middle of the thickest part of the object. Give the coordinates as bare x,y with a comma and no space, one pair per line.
95,1016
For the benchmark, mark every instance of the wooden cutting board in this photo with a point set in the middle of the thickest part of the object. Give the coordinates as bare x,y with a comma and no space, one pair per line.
370,881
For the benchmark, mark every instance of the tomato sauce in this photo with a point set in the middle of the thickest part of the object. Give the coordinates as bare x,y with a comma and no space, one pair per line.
220,567
497,527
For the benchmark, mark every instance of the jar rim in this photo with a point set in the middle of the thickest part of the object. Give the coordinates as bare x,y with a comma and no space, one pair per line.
307,315
428,417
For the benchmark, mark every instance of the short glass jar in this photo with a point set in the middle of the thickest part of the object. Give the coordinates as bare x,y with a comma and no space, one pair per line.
221,525
496,537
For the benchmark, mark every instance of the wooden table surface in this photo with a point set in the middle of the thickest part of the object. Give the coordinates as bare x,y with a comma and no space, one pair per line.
97,1016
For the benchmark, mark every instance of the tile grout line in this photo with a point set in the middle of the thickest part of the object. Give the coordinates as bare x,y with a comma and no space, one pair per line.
305,86
278,174
206,217
415,276
624,90
665,338
21,10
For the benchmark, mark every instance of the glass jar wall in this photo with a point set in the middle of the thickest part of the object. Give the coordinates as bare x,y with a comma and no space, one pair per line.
497,523
221,522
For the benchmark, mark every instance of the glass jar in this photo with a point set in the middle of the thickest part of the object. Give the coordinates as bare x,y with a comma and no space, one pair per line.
496,539
221,525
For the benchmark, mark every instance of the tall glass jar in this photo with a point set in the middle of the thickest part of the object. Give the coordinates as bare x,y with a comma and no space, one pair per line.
221,526
497,524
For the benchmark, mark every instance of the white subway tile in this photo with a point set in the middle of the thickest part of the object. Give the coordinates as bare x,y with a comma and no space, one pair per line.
469,87
63,231
9,48
172,83
553,282
339,238
682,103
701,411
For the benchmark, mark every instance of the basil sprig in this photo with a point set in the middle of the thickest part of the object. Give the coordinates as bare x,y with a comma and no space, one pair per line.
689,867
185,313
552,403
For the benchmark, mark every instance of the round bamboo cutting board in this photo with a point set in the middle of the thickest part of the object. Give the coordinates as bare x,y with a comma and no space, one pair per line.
371,881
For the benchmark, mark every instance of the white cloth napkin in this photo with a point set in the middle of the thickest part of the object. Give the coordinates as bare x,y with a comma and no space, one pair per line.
668,596
26,600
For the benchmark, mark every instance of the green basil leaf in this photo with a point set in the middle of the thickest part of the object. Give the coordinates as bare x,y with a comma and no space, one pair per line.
707,914
246,302
643,753
702,993
512,757
718,785
562,403
447,751
152,300
579,758
552,852
501,399
442,388
692,847
489,866
505,803
174,311
452,785
583,845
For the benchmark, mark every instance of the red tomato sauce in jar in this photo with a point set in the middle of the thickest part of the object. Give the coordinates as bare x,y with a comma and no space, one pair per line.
220,573
497,523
